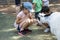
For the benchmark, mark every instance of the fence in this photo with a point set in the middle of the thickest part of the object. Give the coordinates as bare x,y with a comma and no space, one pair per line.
6,2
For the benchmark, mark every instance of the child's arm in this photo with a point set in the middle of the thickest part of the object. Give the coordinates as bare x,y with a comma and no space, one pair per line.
18,20
30,16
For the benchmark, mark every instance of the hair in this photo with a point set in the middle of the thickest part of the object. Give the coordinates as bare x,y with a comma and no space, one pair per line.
45,9
22,7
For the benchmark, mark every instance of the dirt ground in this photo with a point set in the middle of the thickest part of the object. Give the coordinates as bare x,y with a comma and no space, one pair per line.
8,32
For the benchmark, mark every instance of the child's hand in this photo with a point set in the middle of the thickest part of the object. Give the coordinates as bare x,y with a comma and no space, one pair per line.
21,29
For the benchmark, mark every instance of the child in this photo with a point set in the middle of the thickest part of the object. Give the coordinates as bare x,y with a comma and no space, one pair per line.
46,3
24,19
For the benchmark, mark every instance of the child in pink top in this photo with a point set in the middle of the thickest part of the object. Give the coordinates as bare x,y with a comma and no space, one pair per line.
24,19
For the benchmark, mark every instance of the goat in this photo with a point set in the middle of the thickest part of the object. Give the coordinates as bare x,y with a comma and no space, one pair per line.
53,21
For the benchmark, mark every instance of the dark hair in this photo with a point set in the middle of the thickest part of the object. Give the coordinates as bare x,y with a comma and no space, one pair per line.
22,7
45,9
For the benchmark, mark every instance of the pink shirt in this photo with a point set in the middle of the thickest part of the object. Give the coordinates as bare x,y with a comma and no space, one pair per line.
21,14
23,17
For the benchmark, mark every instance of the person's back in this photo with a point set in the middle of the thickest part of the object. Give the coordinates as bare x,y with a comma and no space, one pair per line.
38,5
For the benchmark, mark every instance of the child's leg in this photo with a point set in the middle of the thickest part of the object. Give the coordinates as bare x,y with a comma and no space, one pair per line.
26,23
21,30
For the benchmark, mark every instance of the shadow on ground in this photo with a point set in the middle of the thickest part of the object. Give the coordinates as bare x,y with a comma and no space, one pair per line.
8,32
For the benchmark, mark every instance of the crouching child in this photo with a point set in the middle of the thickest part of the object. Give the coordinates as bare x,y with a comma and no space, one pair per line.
24,19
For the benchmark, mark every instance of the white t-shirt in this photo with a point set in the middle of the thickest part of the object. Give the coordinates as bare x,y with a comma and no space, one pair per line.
46,2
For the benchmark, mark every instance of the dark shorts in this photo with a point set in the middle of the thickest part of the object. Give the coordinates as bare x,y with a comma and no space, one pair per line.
36,15
48,26
18,28
17,2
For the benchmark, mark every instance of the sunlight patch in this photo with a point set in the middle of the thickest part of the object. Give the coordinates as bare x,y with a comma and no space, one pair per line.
7,30
4,13
54,4
16,37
